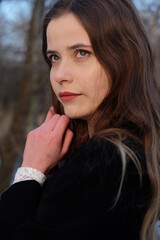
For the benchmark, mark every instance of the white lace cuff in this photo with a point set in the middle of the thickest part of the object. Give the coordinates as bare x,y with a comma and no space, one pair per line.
28,173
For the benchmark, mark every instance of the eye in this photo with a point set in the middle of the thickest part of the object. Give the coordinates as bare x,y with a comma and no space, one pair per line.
53,58
82,53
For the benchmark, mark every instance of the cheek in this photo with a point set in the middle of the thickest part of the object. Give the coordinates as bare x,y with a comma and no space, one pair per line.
52,80
51,75
100,86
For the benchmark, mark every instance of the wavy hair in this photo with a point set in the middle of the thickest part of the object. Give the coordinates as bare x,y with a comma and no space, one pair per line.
121,45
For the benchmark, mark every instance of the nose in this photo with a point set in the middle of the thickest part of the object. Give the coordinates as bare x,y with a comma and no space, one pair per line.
63,73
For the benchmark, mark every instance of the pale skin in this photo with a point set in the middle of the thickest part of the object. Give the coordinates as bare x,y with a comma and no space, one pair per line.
74,69
46,145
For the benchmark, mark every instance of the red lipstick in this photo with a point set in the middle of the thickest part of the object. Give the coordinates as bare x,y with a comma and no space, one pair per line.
68,96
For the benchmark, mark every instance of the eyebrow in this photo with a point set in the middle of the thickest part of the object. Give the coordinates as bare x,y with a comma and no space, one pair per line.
78,45
75,46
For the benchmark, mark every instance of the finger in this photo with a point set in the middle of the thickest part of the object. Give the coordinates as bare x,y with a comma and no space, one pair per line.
60,128
67,141
51,123
50,114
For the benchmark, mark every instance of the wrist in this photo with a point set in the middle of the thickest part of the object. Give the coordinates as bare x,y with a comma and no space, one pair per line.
38,167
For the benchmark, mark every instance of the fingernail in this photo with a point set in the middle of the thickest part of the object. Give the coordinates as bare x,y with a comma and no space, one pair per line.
52,109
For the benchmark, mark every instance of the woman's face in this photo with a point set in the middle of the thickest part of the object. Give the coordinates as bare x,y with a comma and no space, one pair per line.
78,80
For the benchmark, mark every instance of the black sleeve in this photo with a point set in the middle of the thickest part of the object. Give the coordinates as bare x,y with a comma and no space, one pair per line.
75,202
17,204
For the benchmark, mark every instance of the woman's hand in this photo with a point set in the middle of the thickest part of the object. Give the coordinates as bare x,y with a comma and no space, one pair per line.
47,144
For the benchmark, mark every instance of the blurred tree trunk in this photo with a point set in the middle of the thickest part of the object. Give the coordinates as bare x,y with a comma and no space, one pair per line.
27,103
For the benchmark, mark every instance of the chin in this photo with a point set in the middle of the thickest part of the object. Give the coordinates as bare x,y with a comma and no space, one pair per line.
74,115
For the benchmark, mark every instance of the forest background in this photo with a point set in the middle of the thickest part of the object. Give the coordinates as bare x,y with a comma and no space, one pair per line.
24,76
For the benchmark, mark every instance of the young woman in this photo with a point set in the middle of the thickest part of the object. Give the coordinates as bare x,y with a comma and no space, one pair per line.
91,170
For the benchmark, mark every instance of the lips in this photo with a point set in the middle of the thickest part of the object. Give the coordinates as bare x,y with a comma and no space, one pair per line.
68,96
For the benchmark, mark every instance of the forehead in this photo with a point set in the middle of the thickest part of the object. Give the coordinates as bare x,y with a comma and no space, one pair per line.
67,30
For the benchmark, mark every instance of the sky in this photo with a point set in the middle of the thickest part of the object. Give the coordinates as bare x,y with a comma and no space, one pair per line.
139,5
13,8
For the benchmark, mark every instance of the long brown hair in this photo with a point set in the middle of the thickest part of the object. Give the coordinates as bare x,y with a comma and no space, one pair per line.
121,45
